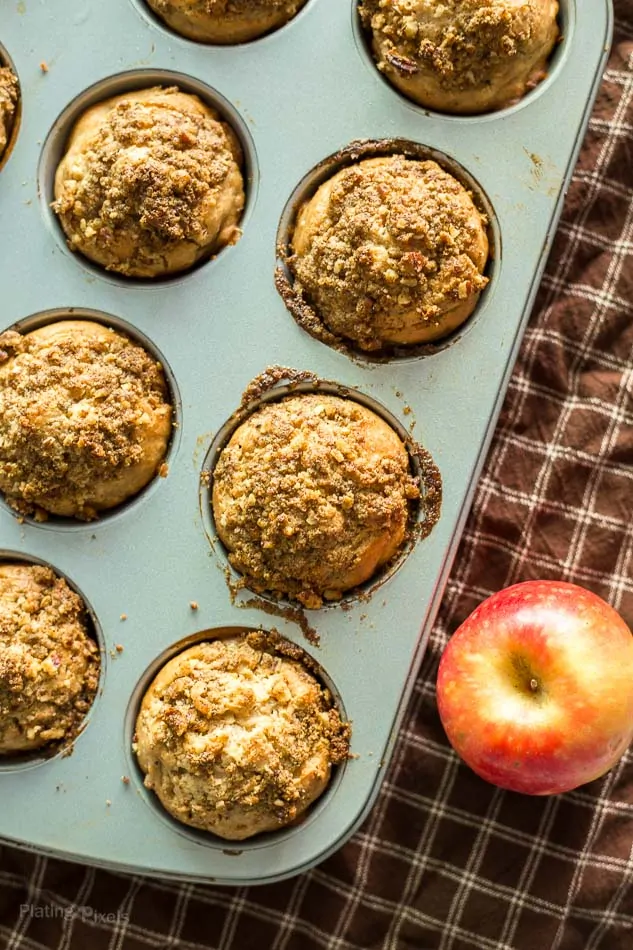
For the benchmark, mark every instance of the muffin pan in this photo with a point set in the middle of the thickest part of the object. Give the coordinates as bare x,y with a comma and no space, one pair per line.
149,571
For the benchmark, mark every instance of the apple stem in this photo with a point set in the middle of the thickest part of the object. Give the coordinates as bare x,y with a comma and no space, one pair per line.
534,685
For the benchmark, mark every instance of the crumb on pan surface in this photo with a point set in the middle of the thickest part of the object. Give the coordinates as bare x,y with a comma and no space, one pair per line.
390,250
236,738
462,56
150,183
85,418
311,495
9,95
49,665
225,21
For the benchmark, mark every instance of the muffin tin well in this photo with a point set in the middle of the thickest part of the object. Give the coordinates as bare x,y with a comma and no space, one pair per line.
13,763
149,572
350,155
206,839
34,322
423,513
566,22
128,81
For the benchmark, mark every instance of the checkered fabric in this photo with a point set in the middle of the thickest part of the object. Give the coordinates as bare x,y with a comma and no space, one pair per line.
445,861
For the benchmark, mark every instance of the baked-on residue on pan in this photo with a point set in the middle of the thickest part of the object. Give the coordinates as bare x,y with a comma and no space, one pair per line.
389,252
312,495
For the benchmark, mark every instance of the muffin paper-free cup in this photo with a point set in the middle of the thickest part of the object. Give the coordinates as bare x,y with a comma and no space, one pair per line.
153,572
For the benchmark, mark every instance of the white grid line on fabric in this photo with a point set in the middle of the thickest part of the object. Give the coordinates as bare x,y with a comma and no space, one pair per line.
236,904
605,359
470,873
608,185
619,576
597,821
616,420
121,925
34,888
521,896
584,350
363,865
590,404
83,893
429,833
513,836
566,453
183,894
609,914
504,892
563,511
420,918
583,575
604,243
290,916
580,291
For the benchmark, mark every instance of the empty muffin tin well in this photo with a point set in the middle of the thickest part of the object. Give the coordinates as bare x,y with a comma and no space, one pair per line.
307,317
34,322
204,838
566,22
63,748
55,145
423,512
149,572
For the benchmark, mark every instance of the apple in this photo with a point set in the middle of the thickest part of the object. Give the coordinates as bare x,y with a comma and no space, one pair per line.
535,688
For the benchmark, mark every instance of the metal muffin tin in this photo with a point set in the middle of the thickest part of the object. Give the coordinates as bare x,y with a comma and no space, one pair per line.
296,97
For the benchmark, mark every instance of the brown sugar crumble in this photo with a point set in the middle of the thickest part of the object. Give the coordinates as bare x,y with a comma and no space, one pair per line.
9,96
395,250
462,55
151,182
82,409
237,737
49,665
309,494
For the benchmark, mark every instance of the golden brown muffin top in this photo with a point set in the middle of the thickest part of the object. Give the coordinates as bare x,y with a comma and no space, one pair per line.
147,168
397,234
9,94
49,666
459,40
237,738
305,488
72,408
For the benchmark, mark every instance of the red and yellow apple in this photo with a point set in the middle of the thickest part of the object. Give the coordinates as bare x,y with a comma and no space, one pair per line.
535,688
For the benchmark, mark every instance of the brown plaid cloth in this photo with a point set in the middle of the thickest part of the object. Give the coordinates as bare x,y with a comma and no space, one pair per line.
446,862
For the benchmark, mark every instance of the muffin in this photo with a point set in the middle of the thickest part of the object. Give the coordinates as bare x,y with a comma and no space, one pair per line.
311,496
85,419
225,21
389,251
236,738
9,95
150,183
49,665
462,56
